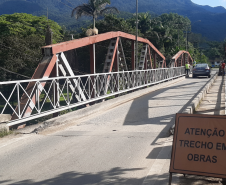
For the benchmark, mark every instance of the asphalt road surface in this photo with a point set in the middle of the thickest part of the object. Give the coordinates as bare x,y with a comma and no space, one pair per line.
128,144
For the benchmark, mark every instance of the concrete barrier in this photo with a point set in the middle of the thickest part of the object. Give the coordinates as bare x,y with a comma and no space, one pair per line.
197,100
191,107
225,92
4,118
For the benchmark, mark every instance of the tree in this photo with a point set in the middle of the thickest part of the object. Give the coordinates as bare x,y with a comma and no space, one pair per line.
21,38
110,23
20,55
93,8
23,25
144,22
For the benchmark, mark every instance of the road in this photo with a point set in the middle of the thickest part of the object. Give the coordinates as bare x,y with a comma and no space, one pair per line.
128,144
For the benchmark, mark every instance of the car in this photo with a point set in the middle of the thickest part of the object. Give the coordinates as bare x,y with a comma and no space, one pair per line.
201,70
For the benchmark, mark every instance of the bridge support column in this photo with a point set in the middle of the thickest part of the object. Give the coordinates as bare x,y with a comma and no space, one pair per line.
145,68
154,55
92,70
145,63
149,54
189,60
133,56
116,69
116,61
92,59
55,73
164,64
181,61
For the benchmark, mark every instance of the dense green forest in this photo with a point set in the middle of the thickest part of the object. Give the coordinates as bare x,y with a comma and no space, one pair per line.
22,36
211,21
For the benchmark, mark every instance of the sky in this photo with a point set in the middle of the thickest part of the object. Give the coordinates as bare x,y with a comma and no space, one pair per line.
212,3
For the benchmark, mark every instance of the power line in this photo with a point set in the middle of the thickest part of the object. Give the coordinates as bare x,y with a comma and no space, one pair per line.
79,72
14,72
69,2
65,4
17,50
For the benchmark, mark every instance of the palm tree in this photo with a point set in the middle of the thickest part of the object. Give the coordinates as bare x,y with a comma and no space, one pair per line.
144,22
93,8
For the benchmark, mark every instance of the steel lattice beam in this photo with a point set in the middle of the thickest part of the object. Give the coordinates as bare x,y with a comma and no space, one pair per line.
180,54
73,44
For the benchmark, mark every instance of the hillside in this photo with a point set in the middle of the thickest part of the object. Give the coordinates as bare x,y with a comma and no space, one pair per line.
211,21
218,9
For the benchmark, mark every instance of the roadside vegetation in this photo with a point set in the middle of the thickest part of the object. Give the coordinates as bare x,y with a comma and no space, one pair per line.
23,35
4,132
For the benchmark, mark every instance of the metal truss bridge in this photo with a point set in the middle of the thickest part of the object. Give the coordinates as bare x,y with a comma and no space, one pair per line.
54,87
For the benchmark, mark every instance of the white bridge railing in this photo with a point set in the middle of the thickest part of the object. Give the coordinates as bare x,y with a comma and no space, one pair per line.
51,95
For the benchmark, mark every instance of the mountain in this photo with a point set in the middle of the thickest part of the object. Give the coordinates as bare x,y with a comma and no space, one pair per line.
205,19
209,21
218,9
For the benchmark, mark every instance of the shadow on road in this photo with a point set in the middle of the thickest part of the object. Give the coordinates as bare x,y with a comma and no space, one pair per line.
218,104
111,177
154,154
167,119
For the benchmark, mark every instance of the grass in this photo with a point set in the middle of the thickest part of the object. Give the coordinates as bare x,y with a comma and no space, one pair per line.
110,97
4,132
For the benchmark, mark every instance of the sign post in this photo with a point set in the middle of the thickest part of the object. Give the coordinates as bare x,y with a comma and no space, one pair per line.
199,145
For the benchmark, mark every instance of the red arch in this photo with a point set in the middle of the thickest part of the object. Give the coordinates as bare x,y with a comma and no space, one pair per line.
182,54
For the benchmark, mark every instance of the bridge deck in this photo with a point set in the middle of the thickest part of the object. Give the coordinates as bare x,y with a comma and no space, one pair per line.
128,144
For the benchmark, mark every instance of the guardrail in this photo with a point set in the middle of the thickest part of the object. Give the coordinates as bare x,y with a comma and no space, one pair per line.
225,92
53,95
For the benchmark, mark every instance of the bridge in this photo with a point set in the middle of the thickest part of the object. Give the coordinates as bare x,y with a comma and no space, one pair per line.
54,87
122,140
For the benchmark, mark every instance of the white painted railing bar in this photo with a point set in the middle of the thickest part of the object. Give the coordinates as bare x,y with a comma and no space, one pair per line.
89,75
54,95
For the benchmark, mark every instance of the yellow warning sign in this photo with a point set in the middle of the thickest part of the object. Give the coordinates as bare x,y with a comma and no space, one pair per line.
199,145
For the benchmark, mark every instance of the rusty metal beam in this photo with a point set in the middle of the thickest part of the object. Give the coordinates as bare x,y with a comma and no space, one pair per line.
181,53
189,60
113,58
116,69
43,70
116,61
77,43
133,56
164,63
154,55
146,62
149,53
92,59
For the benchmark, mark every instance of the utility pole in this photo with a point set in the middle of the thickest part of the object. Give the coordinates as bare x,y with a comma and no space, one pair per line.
178,38
48,36
187,38
200,54
136,34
